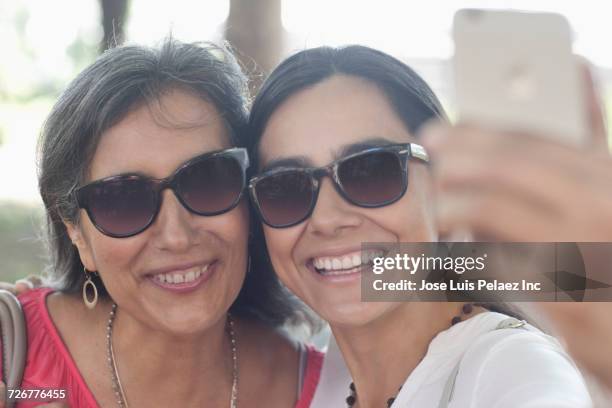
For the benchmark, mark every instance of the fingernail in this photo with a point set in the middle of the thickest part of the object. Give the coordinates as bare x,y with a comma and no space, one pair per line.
25,282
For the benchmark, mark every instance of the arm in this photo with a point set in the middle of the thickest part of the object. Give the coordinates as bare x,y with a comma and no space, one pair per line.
22,285
525,369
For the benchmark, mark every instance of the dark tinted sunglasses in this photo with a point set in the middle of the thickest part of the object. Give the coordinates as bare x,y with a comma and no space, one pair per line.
371,178
125,205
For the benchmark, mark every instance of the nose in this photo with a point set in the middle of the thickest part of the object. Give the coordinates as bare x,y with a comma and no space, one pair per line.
332,214
173,229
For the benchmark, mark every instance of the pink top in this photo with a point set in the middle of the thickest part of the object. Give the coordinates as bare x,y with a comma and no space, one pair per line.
49,365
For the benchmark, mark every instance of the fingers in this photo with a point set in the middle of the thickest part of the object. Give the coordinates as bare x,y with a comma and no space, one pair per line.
495,216
28,283
22,286
8,286
481,143
35,280
464,155
515,186
503,162
595,111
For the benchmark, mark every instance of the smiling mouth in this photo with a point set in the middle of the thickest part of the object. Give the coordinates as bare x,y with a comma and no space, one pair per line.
344,264
184,280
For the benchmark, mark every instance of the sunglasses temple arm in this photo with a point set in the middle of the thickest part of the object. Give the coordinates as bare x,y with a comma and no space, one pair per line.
417,151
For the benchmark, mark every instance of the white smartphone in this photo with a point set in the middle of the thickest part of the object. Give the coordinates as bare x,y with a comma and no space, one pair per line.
516,71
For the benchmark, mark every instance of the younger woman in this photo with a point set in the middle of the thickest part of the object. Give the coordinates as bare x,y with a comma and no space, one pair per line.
333,138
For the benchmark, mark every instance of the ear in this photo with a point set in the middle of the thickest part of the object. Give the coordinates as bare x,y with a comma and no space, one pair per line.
79,240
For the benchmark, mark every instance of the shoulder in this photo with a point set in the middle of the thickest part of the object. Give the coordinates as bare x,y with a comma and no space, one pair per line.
43,340
334,378
33,299
33,304
311,366
508,367
49,317
49,364
269,360
284,367
269,342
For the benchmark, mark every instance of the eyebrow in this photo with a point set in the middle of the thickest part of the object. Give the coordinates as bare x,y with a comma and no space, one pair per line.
148,176
370,143
116,175
346,150
291,162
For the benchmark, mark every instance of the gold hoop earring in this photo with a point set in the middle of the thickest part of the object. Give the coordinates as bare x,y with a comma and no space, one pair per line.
89,284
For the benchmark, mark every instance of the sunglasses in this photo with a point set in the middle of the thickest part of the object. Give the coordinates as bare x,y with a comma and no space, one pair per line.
371,178
125,205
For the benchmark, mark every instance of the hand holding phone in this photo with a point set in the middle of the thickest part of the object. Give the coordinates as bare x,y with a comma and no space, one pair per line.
515,71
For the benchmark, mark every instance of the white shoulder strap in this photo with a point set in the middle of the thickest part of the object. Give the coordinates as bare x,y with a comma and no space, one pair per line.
303,363
447,393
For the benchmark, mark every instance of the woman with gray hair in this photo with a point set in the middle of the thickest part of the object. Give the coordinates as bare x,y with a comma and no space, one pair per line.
156,301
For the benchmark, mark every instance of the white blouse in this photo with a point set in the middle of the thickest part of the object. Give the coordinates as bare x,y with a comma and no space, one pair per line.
505,368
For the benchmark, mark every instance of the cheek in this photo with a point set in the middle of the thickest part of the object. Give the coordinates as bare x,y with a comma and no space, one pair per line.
411,219
236,230
116,260
231,227
231,234
111,256
280,243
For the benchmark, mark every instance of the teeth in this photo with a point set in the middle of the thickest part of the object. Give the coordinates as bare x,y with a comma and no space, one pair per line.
347,262
182,277
369,256
335,273
342,264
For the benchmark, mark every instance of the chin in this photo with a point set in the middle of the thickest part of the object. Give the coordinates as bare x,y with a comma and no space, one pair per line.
354,314
186,319
187,325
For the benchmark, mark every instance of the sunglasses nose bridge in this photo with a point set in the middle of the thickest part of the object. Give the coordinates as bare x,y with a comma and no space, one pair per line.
159,185
321,172
330,212
174,230
330,171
